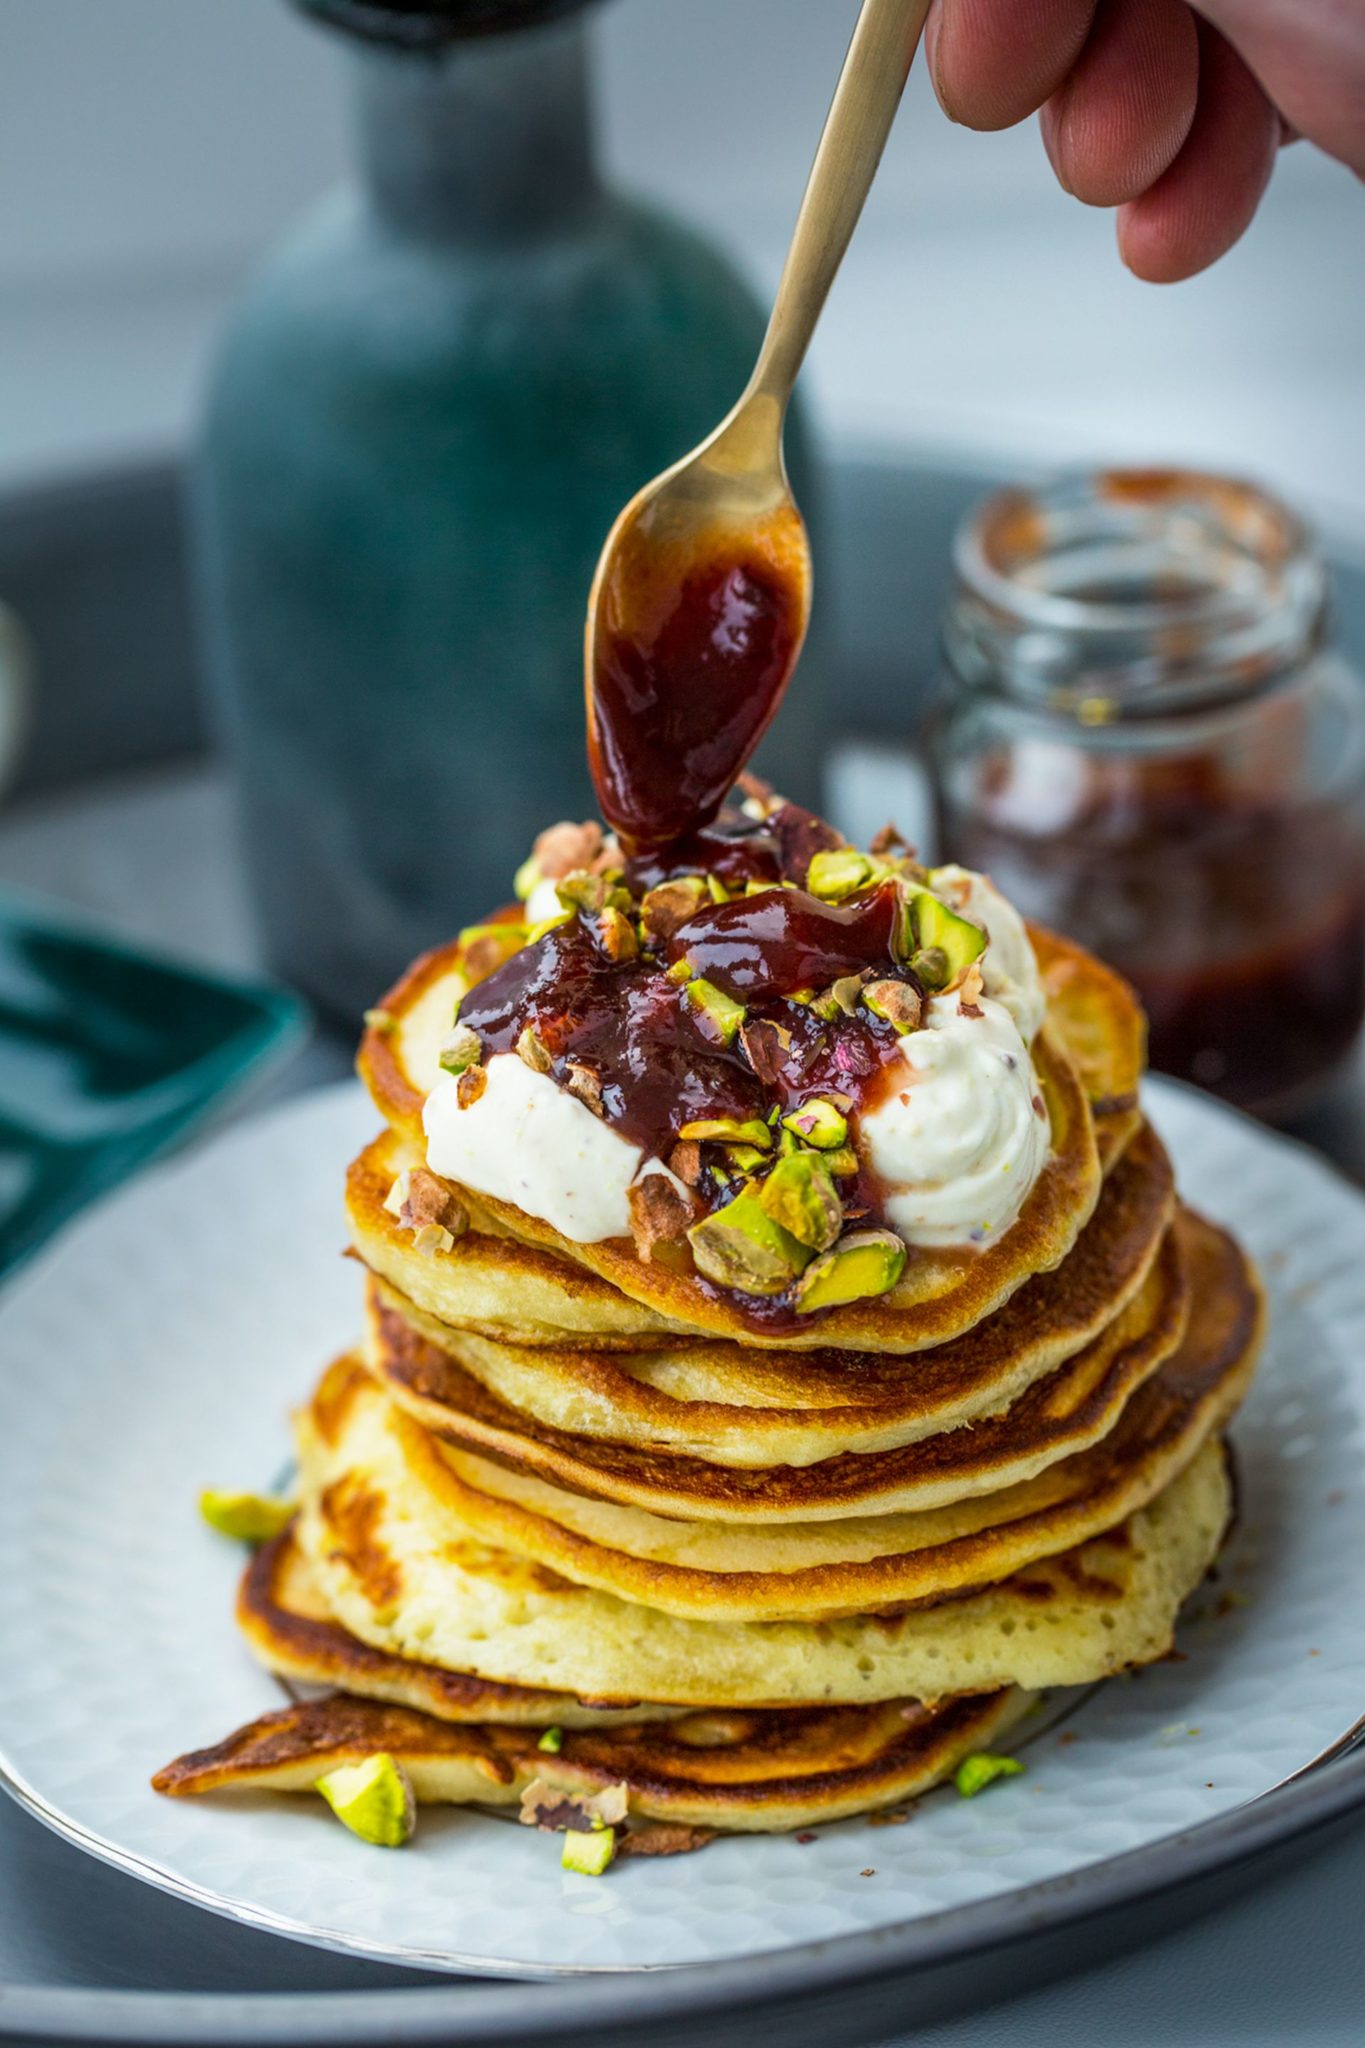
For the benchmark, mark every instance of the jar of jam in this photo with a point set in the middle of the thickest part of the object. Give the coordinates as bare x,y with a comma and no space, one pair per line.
1150,744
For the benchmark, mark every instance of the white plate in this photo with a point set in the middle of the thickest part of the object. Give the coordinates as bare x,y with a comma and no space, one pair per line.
158,1347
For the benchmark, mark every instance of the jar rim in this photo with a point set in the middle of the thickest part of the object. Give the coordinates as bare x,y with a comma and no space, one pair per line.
1235,589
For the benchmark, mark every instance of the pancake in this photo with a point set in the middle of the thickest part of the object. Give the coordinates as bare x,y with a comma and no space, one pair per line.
1058,1416
730,1405
940,1293
289,1628
1100,1021
402,1572
828,1569
749,1772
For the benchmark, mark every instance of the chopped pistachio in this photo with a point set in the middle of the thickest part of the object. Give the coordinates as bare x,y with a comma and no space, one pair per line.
246,1517
741,1246
975,1773
842,1163
382,1021
532,1049
470,1086
840,999
755,888
485,947
374,1799
745,1159
929,965
589,1851
680,971
896,1001
718,1017
552,1741
832,876
800,1194
729,1130
804,996
819,1123
431,1238
671,904
865,1263
537,932
462,1049
583,890
937,928
717,890
526,878
616,934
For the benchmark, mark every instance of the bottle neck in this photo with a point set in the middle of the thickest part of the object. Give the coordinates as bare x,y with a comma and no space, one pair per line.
486,142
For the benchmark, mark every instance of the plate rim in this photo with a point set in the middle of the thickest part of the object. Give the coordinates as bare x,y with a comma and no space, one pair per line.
516,1995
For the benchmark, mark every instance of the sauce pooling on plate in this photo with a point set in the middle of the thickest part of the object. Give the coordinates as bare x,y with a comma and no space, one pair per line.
697,636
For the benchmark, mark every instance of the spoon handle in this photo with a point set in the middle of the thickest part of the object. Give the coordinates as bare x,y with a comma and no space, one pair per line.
859,121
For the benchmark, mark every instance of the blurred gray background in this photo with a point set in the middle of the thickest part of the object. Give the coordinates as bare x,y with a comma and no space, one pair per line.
150,149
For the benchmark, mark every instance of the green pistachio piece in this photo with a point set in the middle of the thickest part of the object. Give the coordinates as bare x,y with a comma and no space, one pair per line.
742,1246
864,1263
840,999
485,947
680,971
671,904
936,927
717,1015
616,934
374,1799
462,1049
532,1049
246,1517
800,1194
843,1163
583,890
896,1001
745,1159
717,890
929,965
382,1021
546,924
832,876
819,1123
975,1773
552,1741
729,1130
527,878
589,1851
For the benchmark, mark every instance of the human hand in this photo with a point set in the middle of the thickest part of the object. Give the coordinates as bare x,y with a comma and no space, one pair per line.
1172,112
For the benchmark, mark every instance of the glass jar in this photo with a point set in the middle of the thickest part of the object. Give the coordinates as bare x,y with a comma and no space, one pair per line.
1151,746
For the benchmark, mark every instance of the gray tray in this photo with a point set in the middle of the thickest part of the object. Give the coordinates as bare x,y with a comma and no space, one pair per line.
89,1954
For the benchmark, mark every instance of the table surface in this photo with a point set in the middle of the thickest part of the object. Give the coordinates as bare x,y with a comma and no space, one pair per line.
1285,1965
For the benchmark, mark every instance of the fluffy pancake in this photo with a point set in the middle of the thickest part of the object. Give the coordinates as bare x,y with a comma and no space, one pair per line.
290,1629
1064,1413
730,1405
754,1772
860,1563
401,1570
940,1293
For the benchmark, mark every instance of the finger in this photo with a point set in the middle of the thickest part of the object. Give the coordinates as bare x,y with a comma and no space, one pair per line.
1206,200
994,62
1122,116
1311,62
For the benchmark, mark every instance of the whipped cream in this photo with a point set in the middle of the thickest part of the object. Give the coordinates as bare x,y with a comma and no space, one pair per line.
543,902
1009,970
528,1141
962,1133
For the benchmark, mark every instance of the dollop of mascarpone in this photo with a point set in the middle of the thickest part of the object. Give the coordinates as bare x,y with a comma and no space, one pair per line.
1009,970
962,1134
543,902
528,1141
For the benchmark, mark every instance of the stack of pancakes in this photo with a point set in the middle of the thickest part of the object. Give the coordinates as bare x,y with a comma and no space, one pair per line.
755,1580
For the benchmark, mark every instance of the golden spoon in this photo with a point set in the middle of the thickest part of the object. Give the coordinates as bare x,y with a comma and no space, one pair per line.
702,594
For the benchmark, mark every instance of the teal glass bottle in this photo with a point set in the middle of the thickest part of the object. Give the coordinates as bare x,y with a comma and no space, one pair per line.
425,416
